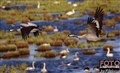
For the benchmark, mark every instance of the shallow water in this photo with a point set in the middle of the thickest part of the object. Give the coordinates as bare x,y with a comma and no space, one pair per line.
54,65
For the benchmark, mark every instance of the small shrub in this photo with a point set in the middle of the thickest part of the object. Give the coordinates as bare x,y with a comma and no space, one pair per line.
24,51
39,55
22,44
22,66
57,43
77,22
70,40
56,19
110,23
66,32
117,18
103,32
3,48
64,17
11,47
88,52
111,35
10,21
50,54
3,69
44,48
48,28
116,32
9,55
91,12
82,45
25,20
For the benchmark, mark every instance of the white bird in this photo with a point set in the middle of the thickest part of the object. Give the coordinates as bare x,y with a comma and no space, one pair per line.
38,6
64,53
8,1
69,2
70,12
55,29
31,68
56,2
87,69
66,64
108,53
45,44
11,30
96,69
76,58
75,5
44,70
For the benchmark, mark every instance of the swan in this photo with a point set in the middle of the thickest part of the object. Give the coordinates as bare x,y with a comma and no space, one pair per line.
87,69
11,30
64,53
69,2
75,5
31,68
76,58
66,64
108,53
55,29
56,2
38,6
70,12
44,70
96,68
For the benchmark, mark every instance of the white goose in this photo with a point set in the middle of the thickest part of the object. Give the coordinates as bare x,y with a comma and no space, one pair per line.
64,53
76,58
31,68
70,12
108,53
44,70
38,6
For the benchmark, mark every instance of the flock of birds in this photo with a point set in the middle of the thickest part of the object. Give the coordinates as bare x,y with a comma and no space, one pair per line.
93,34
94,29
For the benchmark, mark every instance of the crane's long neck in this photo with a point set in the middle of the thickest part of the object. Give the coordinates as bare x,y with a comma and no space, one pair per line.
108,50
33,65
67,50
44,66
82,36
76,55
